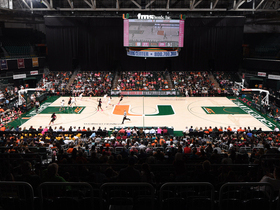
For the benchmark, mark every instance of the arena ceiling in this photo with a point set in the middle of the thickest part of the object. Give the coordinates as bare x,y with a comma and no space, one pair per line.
265,11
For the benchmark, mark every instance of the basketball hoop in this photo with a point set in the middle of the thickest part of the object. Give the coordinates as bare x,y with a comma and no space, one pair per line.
21,100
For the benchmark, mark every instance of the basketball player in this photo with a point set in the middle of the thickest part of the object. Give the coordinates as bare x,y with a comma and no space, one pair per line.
74,92
62,108
187,92
120,99
81,95
53,118
90,93
108,102
124,117
74,101
104,98
99,105
69,102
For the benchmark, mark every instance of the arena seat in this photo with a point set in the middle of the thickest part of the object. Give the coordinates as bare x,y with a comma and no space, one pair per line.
237,195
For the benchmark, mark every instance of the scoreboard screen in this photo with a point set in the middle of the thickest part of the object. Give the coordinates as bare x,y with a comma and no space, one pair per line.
153,33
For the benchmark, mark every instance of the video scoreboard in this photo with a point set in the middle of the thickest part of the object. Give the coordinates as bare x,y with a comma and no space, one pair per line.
153,33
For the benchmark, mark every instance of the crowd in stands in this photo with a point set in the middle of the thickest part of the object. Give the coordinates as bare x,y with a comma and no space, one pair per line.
7,95
193,83
92,83
274,93
225,80
143,81
148,150
8,110
59,81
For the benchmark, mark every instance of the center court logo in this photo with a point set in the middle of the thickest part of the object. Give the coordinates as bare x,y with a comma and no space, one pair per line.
162,110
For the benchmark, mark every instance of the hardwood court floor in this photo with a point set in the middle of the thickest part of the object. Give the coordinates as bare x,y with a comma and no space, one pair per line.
177,112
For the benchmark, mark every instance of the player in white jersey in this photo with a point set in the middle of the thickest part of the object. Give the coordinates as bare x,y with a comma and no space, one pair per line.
81,95
187,93
62,108
76,93
90,92
108,102
74,101
104,98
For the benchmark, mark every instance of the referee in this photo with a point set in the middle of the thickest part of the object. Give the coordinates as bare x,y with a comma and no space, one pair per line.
124,117
37,105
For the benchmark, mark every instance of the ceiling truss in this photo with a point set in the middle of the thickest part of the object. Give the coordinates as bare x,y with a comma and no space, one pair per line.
49,6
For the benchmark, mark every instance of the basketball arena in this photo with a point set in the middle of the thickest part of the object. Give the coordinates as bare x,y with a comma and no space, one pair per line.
139,104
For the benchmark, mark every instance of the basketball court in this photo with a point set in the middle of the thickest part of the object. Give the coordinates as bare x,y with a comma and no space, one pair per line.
176,112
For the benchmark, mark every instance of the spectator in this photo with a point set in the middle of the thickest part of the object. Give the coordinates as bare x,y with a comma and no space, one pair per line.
146,174
187,149
51,174
273,179
27,175
129,174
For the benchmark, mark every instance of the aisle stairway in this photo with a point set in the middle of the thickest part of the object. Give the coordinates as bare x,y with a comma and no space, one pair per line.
213,80
169,80
115,82
6,54
71,80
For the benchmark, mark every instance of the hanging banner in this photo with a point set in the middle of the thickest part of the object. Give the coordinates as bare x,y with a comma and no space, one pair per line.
262,74
35,62
20,62
19,76
33,72
4,64
273,76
